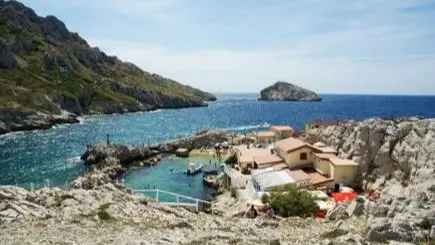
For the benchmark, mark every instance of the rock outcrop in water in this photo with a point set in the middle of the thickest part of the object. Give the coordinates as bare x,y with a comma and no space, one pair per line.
282,91
46,72
11,120
396,157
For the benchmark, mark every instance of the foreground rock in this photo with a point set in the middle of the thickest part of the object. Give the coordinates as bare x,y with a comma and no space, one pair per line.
396,157
111,215
282,91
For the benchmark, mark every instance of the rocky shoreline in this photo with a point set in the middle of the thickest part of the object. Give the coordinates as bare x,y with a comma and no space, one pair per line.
19,121
16,121
396,158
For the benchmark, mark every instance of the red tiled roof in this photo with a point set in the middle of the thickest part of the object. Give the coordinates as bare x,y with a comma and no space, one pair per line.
324,156
280,166
247,155
290,144
342,162
281,128
317,178
298,175
327,149
267,159
264,134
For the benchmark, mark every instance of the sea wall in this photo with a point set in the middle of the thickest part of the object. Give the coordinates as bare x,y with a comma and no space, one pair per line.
396,157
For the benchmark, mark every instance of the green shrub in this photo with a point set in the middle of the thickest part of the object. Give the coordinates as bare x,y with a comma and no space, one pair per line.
334,233
60,198
289,201
102,212
265,198
274,242
181,225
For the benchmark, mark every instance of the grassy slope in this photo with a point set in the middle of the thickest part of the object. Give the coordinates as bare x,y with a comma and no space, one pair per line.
28,86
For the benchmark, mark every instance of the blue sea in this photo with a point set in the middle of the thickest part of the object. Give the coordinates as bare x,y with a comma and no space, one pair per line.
39,158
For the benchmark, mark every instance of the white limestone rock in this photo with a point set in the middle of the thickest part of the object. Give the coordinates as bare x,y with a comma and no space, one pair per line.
396,157
337,212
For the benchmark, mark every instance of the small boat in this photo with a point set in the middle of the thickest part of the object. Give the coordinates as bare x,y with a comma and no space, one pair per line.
193,168
210,177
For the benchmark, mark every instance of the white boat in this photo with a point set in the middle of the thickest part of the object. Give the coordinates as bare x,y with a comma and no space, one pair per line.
193,168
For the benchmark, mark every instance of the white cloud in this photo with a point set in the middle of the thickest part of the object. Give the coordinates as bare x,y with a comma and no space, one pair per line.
235,71
361,46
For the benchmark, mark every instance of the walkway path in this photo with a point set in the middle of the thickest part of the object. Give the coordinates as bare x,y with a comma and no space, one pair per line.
196,203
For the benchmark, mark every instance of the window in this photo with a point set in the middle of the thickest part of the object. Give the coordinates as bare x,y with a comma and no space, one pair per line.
303,156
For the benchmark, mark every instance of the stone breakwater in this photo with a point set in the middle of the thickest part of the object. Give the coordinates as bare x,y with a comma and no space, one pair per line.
108,162
396,157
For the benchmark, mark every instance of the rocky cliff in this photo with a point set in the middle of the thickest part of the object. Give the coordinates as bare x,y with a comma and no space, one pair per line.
396,157
48,74
282,91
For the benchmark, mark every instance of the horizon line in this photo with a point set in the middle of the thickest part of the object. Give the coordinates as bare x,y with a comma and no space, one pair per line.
328,93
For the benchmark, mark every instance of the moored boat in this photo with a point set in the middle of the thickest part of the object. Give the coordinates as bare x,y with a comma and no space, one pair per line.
193,168
210,177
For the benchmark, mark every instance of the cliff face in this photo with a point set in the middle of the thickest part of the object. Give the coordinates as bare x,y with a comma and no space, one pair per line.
396,157
45,70
282,91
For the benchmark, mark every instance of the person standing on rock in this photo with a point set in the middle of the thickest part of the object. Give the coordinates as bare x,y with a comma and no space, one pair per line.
252,213
270,212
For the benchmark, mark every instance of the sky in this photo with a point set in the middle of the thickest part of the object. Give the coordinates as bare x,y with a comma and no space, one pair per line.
329,46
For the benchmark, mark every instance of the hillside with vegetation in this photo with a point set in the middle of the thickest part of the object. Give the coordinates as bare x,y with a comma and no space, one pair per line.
49,75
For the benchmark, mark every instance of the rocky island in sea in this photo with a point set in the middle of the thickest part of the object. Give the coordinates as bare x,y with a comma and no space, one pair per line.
49,75
283,91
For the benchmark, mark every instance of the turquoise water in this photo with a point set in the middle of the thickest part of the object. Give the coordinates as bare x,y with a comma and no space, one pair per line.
54,155
161,177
